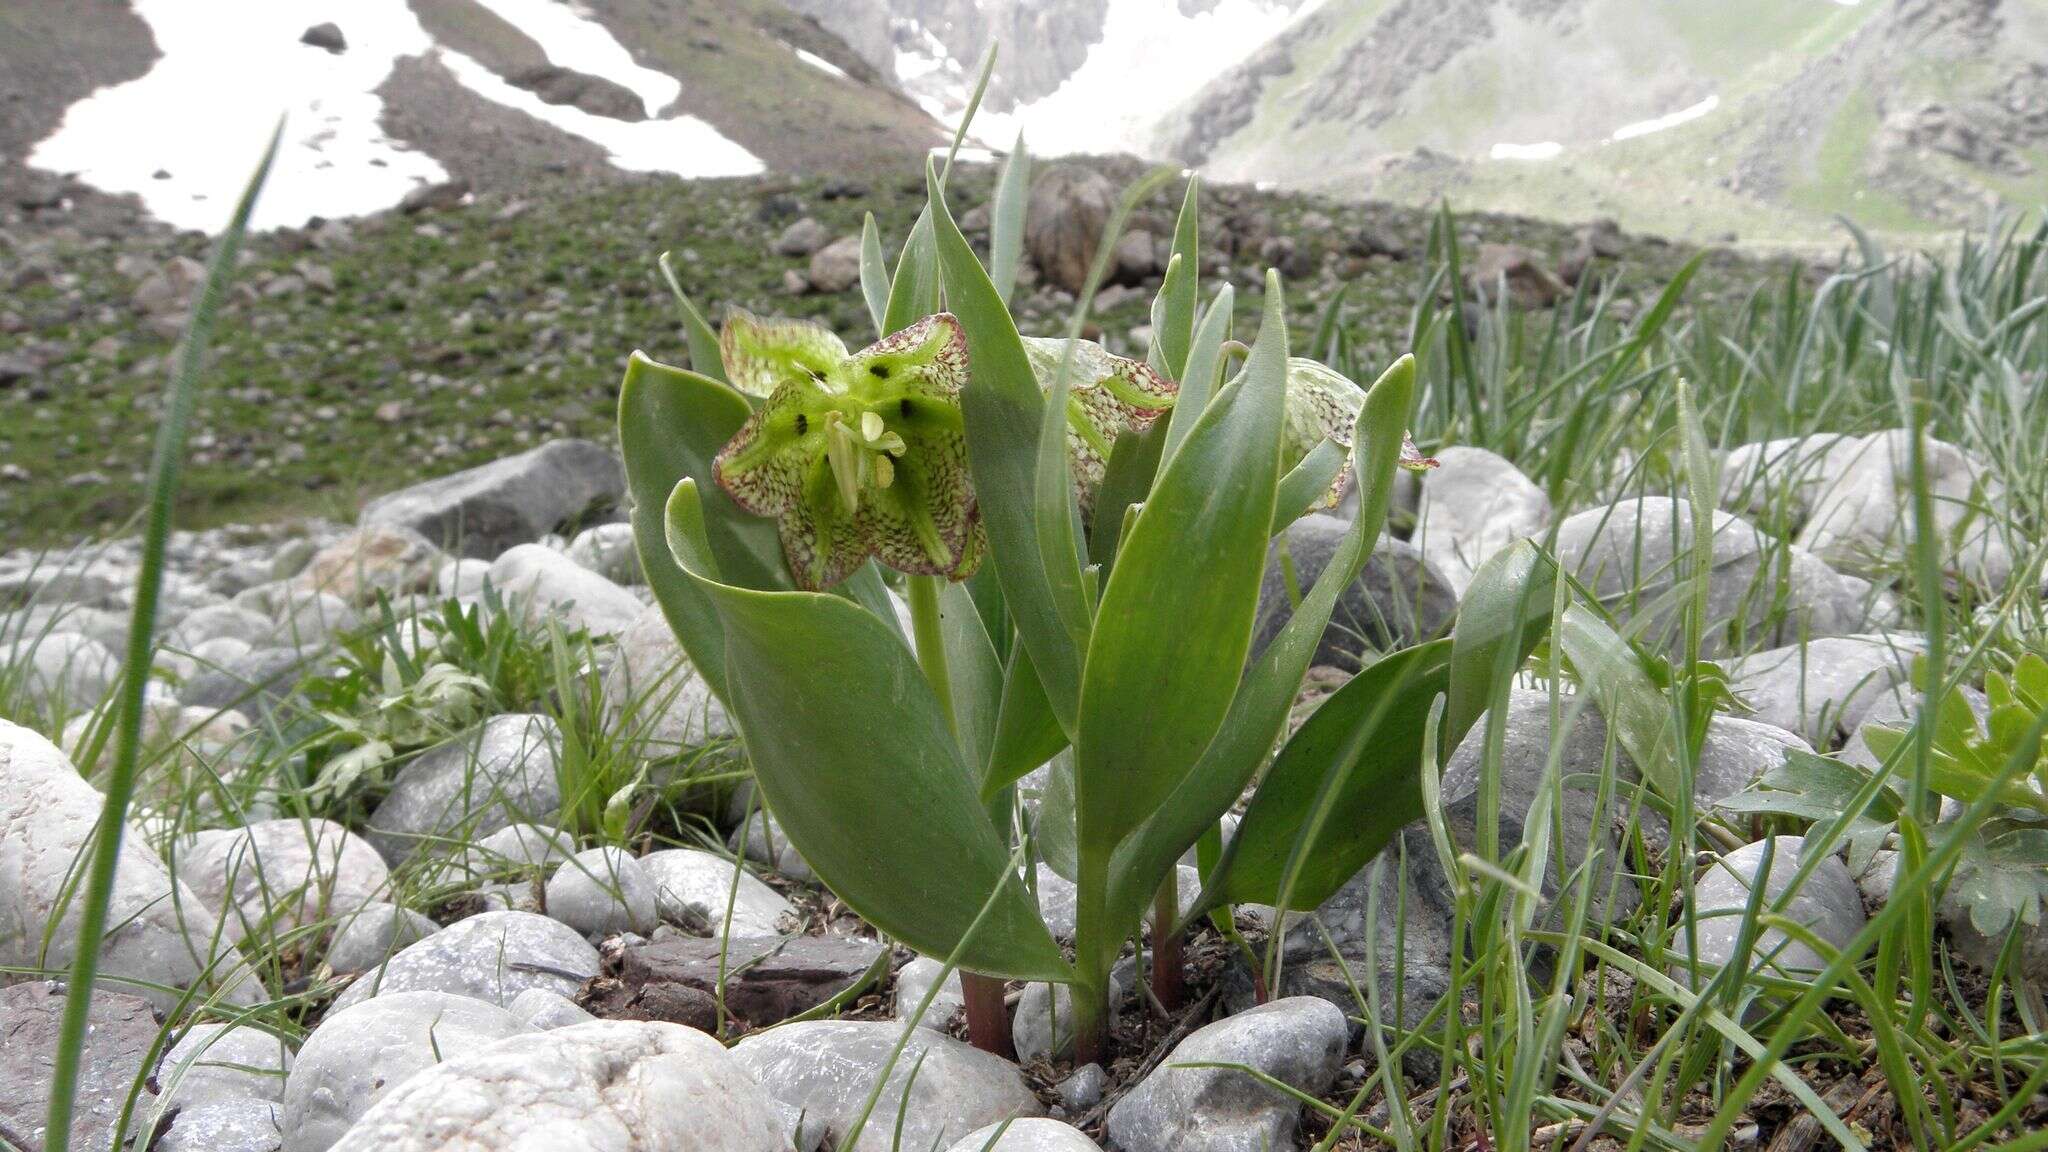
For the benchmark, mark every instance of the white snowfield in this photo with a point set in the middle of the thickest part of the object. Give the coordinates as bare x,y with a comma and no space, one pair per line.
186,136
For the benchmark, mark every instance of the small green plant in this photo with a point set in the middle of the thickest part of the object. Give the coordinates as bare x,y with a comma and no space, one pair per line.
1124,509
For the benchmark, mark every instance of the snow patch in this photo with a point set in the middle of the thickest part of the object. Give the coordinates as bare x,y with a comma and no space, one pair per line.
1682,116
204,111
819,62
1152,57
1547,150
682,145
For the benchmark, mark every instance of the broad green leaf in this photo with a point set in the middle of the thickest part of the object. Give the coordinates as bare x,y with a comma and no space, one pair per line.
976,675
1055,827
1173,311
1133,464
914,290
1613,674
858,764
2003,877
1258,714
671,423
1006,219
1329,333
1204,368
1306,483
1027,733
702,338
1506,610
1820,789
874,275
1176,619
1055,515
1003,408
1391,701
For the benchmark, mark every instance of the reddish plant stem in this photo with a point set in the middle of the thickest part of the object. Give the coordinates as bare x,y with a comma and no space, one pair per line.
988,1017
1167,983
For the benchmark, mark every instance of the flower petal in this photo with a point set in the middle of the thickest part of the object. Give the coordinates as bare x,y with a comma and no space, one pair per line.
1107,394
924,521
927,359
766,464
762,354
1322,403
821,543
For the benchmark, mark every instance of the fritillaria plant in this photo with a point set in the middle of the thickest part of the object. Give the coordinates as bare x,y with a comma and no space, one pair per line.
1125,508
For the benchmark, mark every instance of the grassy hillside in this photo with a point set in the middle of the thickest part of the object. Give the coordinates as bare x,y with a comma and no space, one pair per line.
450,339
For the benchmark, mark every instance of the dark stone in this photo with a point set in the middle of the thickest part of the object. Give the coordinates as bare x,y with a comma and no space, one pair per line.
1070,206
596,95
120,1030
840,189
484,510
1398,600
768,979
326,36
434,197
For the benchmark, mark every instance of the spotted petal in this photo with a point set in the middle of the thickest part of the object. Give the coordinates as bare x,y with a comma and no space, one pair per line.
1322,404
762,354
1107,395
769,462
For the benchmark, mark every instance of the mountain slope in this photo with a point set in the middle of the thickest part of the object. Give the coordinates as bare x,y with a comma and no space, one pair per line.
170,102
1759,116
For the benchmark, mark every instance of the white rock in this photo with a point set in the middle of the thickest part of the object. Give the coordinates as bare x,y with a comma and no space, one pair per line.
160,932
545,1009
224,622
1863,520
484,510
229,1126
826,1068
221,1063
539,584
1823,689
914,979
600,891
310,620
462,578
1778,480
518,848
281,874
1036,1134
1473,505
498,774
763,842
1299,1041
609,551
64,672
492,956
1043,1026
691,883
377,932
607,1086
656,695
1828,904
360,1053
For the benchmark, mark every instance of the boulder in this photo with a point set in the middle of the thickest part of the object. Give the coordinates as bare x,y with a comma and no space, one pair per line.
545,1009
232,1126
1523,273
1828,904
693,886
608,550
826,1068
223,620
836,266
159,931
388,558
762,841
915,979
1778,481
517,849
492,956
495,775
487,509
767,979
436,197
326,37
257,682
1069,208
60,672
276,875
376,933
1862,520
120,1034
1032,1135
609,1084
657,696
223,1064
1398,599
1472,505
602,891
1760,591
1823,689
1299,1041
360,1053
596,95
802,238
540,584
